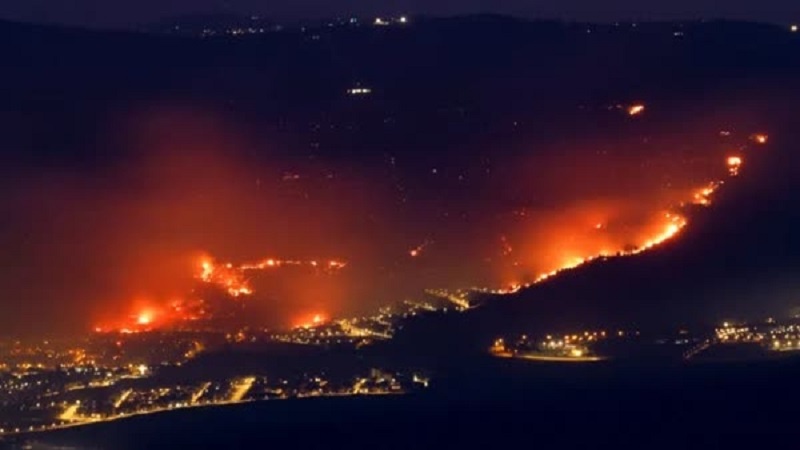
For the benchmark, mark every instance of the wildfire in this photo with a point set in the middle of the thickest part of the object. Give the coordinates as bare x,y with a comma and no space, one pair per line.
333,264
270,263
225,276
229,277
233,278
144,318
734,163
702,196
314,321
598,238
673,224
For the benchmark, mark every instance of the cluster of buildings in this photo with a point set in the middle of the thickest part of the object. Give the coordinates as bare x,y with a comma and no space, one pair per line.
575,346
737,341
49,385
771,334
231,26
53,399
102,350
365,330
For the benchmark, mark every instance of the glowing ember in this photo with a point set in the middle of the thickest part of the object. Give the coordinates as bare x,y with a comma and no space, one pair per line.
734,163
416,251
336,264
507,248
635,110
207,270
703,196
760,138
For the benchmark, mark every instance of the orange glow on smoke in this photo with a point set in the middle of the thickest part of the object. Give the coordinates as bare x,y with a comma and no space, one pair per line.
314,320
225,276
230,278
589,207
669,225
702,196
144,318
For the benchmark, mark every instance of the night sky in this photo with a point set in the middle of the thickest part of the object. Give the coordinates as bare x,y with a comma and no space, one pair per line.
126,13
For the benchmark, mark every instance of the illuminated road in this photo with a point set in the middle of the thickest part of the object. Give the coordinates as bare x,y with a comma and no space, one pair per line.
354,331
454,299
241,389
196,396
80,421
359,384
122,398
696,350
534,357
71,413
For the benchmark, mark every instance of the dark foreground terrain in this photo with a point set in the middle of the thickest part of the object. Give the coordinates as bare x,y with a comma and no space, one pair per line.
507,404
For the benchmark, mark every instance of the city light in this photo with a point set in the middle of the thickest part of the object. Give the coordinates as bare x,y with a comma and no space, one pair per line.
359,91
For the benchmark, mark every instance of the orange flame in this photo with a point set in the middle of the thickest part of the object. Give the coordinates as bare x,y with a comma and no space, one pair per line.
734,163
315,320
635,110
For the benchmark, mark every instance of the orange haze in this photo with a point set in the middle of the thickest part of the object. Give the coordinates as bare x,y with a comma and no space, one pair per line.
127,245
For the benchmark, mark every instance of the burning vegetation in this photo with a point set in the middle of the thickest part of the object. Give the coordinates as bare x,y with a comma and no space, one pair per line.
352,241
